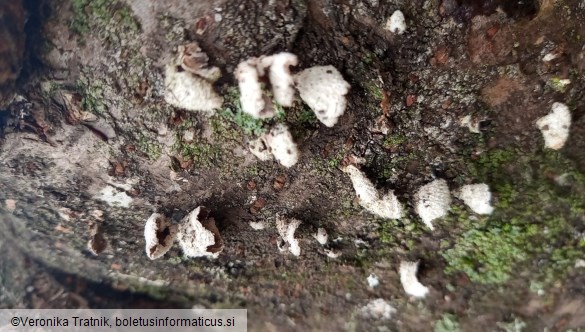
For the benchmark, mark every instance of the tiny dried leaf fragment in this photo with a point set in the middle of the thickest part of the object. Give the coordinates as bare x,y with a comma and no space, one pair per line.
193,60
198,235
72,104
286,229
159,235
409,280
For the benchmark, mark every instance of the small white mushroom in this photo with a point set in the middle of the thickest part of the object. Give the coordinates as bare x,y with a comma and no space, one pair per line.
332,253
396,23
190,92
198,235
256,225
477,197
281,145
259,148
321,236
378,309
323,89
281,80
386,207
373,280
471,124
433,201
550,57
409,280
251,95
286,229
364,188
189,81
159,235
555,126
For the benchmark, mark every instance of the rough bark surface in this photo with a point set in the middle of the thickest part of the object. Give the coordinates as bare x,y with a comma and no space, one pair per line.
89,120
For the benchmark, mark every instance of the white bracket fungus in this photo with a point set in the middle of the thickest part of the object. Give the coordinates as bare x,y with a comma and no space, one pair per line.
550,57
277,143
386,207
249,73
321,236
373,281
477,197
555,126
280,143
323,89
259,148
409,280
433,201
251,95
470,123
281,80
378,309
396,23
256,225
159,234
198,235
189,81
286,229
332,253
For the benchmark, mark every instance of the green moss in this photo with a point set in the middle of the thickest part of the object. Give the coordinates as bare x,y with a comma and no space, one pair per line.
390,165
233,112
448,323
374,90
203,154
91,96
149,147
534,220
516,326
302,116
392,141
558,84
246,122
111,20
398,235
485,255
369,58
